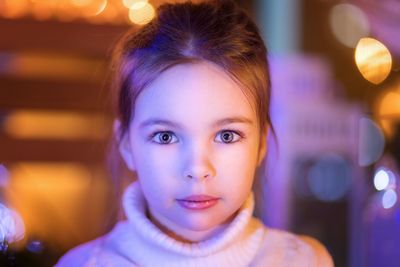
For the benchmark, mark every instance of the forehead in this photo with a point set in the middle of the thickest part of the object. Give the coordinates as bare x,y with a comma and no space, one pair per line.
195,92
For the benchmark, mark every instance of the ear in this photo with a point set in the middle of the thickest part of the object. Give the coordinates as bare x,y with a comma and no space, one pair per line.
262,147
124,146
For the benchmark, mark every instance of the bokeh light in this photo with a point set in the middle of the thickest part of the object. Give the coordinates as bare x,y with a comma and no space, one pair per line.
389,199
141,13
51,66
56,199
12,228
35,124
373,60
13,9
44,11
94,7
371,142
94,11
381,179
110,14
348,24
35,246
329,178
131,3
388,108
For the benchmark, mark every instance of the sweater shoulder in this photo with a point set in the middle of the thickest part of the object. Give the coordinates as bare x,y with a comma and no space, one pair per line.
80,255
321,254
282,248
102,251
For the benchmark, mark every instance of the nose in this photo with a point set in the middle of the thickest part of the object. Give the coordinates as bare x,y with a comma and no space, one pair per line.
198,163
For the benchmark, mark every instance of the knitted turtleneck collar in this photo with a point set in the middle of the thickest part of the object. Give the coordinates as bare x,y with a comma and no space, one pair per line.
148,245
244,242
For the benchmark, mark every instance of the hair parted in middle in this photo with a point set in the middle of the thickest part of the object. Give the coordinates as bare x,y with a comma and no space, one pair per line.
213,31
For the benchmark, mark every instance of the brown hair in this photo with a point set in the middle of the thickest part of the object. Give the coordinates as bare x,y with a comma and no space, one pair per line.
213,31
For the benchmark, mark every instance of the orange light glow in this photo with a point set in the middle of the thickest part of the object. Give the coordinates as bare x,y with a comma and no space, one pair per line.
30,124
130,3
67,10
110,14
138,5
81,2
53,66
101,7
44,176
44,11
373,60
94,8
141,13
390,105
388,109
14,8
52,199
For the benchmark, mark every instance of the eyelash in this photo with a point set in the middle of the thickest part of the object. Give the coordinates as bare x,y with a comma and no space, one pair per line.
236,132
157,133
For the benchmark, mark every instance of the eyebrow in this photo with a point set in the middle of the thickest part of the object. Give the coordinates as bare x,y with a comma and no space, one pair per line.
230,120
156,121
220,122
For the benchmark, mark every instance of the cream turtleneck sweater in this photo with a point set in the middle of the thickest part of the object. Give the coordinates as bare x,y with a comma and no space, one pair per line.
244,242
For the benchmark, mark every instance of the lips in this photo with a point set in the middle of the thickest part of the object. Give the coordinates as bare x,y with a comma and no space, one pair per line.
198,202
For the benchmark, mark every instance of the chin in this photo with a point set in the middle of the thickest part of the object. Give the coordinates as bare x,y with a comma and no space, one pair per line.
201,223
198,233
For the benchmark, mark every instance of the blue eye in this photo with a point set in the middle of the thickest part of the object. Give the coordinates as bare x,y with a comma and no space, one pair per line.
164,138
228,136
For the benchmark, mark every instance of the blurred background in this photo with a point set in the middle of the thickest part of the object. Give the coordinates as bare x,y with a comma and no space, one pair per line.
332,170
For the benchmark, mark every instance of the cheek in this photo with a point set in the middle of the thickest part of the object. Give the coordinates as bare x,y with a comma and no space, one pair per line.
237,166
239,157
156,168
150,157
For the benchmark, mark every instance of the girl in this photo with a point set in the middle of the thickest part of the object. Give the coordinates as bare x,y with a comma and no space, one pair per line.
193,99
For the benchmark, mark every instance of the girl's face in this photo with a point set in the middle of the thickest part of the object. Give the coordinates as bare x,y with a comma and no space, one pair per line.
195,144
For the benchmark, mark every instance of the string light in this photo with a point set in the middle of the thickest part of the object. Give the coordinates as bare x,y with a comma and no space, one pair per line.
94,11
373,60
348,24
387,108
381,180
141,13
371,142
389,199
131,3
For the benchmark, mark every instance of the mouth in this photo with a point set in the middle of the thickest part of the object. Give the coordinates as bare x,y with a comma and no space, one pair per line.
198,202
